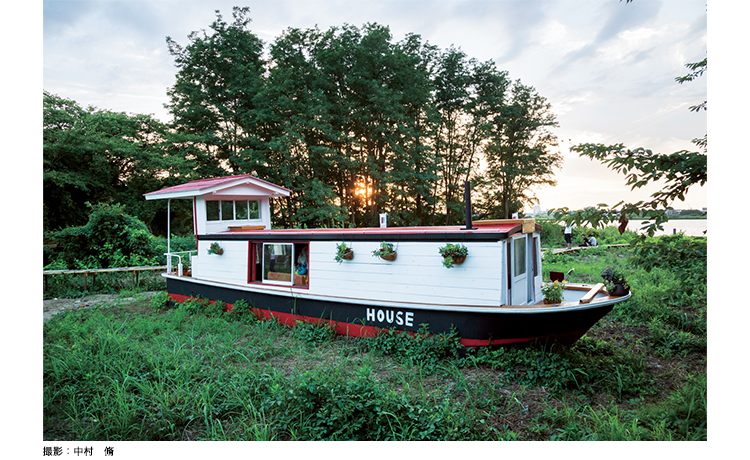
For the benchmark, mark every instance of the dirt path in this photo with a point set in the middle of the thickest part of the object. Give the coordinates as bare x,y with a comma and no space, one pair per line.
54,306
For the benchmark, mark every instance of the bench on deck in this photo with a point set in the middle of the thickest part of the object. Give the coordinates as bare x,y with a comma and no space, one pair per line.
591,294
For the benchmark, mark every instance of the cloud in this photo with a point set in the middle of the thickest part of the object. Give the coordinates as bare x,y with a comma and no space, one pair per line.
60,15
617,18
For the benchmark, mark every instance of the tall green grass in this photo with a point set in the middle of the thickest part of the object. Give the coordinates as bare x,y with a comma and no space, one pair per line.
147,371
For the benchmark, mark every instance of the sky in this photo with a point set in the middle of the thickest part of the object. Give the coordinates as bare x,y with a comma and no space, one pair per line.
607,67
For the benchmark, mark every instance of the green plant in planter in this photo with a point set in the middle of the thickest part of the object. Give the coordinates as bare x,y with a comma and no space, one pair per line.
343,252
453,254
385,251
612,276
215,249
553,292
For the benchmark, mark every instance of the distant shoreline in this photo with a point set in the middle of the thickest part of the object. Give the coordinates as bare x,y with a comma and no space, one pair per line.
679,217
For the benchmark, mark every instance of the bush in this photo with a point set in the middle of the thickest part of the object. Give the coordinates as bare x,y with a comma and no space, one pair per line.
109,239
244,313
160,302
422,347
677,252
315,333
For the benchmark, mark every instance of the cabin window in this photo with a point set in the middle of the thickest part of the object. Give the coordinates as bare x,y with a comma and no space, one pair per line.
279,263
519,256
232,210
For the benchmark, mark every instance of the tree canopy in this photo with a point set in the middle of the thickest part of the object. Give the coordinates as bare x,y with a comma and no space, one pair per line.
352,121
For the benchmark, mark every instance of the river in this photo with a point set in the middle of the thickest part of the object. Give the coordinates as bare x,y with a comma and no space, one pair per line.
691,227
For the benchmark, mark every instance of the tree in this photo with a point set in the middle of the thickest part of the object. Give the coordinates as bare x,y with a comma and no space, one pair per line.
680,171
518,153
97,156
219,77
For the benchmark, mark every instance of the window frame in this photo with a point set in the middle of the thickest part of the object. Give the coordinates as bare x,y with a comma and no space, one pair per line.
256,272
221,218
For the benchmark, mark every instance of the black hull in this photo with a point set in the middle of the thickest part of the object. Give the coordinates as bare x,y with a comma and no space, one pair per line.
495,327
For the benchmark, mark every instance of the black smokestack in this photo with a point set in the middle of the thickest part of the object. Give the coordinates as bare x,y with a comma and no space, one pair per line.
467,205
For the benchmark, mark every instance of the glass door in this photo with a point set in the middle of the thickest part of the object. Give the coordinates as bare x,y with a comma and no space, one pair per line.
519,289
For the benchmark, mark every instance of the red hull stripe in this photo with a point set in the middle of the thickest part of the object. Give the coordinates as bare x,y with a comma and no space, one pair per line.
358,330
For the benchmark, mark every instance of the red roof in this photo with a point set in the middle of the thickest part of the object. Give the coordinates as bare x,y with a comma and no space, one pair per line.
505,227
203,184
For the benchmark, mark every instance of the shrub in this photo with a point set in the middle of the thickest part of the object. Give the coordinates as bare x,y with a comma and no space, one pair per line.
243,312
423,347
315,333
111,238
677,252
160,302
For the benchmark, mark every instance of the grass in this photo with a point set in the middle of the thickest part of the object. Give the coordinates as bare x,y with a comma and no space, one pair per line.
140,370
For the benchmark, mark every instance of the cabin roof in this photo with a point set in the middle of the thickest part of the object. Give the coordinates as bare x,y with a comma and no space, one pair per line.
489,231
209,186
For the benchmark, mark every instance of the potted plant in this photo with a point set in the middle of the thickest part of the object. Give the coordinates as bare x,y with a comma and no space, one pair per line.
453,254
343,252
614,281
553,292
385,252
215,249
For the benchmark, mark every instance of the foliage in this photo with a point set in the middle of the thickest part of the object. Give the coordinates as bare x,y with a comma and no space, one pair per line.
554,291
518,153
315,333
679,252
110,238
685,412
385,249
219,78
341,250
679,171
99,156
421,347
215,248
353,122
160,302
451,251
613,275
244,312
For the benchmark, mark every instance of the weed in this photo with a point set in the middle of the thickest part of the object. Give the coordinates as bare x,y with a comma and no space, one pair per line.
315,333
160,302
243,312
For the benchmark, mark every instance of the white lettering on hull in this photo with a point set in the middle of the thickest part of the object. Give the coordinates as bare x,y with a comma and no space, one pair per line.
397,317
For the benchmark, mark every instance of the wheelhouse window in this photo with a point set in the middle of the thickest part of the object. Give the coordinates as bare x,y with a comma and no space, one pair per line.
212,210
232,210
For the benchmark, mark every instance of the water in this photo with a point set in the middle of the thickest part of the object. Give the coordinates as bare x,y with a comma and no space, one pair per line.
691,227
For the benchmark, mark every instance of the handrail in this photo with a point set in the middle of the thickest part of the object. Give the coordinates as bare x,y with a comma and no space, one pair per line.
104,270
94,271
179,260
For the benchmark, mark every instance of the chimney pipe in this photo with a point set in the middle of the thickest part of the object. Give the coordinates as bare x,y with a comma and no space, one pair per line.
467,205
